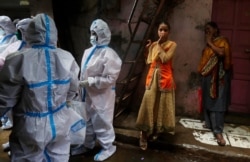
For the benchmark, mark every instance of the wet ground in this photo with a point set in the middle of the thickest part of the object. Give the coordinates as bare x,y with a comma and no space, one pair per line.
130,153
181,147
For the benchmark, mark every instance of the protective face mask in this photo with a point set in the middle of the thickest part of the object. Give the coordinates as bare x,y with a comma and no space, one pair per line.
93,40
2,33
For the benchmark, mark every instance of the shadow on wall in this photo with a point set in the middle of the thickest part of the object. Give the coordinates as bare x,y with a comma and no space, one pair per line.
194,80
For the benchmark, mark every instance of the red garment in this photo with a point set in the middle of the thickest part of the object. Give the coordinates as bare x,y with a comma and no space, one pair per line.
165,75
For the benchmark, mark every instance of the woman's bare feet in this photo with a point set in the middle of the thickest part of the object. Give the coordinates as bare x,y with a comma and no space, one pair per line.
220,140
143,140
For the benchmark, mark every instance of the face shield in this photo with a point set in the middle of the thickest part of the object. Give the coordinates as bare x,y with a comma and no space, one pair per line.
102,31
93,38
7,24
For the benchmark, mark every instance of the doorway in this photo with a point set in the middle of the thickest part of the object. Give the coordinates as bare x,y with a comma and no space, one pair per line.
233,19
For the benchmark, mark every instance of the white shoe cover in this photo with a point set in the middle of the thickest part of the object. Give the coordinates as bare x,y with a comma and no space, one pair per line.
79,149
7,125
4,119
6,146
104,154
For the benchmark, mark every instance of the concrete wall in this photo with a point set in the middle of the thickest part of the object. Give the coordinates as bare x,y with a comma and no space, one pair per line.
187,23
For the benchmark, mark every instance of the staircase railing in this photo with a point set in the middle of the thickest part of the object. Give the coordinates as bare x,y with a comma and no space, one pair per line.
133,61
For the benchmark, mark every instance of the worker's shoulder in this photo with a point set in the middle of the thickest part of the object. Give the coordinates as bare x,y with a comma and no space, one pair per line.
63,52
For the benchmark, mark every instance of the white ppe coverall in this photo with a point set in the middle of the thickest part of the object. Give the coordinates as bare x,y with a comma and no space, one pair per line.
6,39
22,26
36,83
100,67
9,32
11,48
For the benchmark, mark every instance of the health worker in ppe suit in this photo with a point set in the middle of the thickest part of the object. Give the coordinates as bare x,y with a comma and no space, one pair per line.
37,83
7,37
100,68
18,45
21,28
7,32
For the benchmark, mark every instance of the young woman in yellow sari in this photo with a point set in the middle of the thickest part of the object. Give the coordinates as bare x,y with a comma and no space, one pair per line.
157,111
214,67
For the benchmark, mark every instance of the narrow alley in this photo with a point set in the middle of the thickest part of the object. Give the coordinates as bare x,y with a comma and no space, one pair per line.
132,23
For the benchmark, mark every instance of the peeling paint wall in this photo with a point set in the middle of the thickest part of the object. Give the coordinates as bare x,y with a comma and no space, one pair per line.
187,23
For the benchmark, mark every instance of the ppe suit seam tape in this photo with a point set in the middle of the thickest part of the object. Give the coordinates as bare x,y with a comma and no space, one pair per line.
32,114
6,37
47,22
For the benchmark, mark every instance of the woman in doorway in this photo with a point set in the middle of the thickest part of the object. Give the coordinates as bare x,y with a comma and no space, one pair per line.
157,110
214,67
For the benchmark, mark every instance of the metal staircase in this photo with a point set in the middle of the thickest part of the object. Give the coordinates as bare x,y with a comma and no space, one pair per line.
140,29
